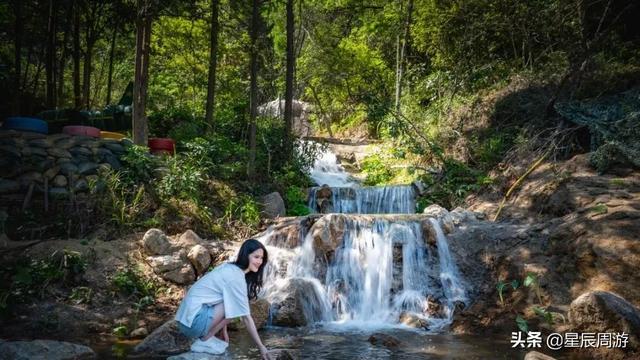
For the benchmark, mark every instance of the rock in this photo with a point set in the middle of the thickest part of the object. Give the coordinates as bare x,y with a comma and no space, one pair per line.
165,340
419,187
259,313
139,332
79,150
55,137
113,161
300,306
429,233
58,192
280,354
87,168
11,149
34,151
44,349
200,258
102,152
68,168
183,276
41,143
81,185
189,239
114,147
29,177
61,153
60,181
437,211
534,355
9,186
413,320
273,205
605,312
384,340
155,242
327,233
65,144
45,164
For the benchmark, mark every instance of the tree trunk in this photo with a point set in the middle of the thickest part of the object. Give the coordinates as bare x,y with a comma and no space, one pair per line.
77,96
62,63
111,53
51,55
253,89
401,57
143,39
288,95
213,60
17,6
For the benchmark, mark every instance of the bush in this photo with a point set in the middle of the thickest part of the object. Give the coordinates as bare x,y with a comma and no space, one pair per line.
451,186
295,199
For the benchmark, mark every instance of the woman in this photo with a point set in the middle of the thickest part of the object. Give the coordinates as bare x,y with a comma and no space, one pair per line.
221,295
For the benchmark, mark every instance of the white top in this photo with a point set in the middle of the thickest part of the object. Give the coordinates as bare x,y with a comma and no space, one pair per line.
224,284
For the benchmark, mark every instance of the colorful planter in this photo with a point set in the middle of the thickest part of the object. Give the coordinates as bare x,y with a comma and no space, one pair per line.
26,124
81,130
162,145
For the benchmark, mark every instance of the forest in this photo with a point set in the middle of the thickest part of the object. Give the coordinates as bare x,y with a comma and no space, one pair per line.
497,107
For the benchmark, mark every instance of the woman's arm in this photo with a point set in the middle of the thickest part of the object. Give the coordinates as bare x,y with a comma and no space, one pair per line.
253,332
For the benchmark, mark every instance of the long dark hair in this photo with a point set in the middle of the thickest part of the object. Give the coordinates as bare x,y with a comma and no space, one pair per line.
254,279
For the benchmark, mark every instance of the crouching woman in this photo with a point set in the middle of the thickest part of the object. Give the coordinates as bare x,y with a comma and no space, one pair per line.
222,295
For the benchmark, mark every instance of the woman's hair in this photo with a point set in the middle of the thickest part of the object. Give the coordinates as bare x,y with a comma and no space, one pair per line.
254,279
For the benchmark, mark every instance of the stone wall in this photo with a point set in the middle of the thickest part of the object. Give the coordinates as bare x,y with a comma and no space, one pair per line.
61,164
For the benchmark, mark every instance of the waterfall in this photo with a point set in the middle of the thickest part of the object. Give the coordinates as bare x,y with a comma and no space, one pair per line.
364,271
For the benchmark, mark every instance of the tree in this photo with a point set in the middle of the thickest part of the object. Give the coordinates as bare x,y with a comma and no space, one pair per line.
288,95
51,54
143,40
77,96
253,87
213,57
401,51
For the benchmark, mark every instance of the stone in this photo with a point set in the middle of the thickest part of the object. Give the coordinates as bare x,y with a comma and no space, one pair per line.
79,150
9,186
446,221
155,242
165,340
45,164
139,332
29,177
175,268
61,153
300,306
113,161
429,234
273,205
328,233
65,144
60,181
114,147
200,258
58,192
34,151
259,313
189,239
102,152
51,173
28,135
182,276
60,136
419,187
11,149
68,168
534,355
81,185
44,350
87,168
604,312
41,143
413,320
384,340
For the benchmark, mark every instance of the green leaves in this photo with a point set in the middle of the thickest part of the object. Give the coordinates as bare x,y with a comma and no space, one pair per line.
522,324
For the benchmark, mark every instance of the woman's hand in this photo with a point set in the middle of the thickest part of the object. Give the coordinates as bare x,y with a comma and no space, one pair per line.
265,353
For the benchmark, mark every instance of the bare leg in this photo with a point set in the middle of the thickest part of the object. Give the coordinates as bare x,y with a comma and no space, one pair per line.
218,321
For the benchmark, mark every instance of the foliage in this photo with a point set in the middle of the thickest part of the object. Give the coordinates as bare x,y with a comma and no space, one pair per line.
451,185
131,282
378,173
295,201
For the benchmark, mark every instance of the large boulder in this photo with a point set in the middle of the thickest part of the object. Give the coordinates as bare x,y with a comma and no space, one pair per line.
259,313
200,258
385,340
175,268
605,312
165,340
44,350
189,239
437,211
328,233
300,305
155,242
273,205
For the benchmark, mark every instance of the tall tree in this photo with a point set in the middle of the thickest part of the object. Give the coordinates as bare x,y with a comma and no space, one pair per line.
401,52
93,28
288,94
17,85
77,96
51,54
143,40
111,56
253,87
213,59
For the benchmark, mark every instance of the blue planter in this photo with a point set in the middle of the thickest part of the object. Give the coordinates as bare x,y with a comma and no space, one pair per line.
26,124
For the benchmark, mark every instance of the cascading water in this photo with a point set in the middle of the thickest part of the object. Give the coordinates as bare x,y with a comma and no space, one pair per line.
364,271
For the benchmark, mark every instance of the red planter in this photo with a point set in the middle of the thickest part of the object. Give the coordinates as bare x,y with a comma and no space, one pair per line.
162,145
81,130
